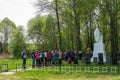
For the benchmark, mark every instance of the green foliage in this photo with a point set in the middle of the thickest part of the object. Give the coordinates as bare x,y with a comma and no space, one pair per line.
29,48
7,23
42,31
6,27
35,30
48,32
89,15
17,42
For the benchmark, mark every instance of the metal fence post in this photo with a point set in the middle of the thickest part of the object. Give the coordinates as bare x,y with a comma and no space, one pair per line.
0,68
7,67
16,67
60,68
118,66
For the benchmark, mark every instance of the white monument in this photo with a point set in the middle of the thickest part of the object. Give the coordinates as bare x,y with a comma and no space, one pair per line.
98,47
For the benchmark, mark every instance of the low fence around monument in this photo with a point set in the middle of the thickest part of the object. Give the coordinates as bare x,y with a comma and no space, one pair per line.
84,68
66,68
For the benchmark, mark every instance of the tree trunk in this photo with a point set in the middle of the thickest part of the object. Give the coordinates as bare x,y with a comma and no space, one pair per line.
6,43
72,40
91,32
77,25
114,41
58,24
88,37
0,47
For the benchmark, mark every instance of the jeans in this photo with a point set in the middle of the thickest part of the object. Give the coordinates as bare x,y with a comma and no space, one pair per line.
24,63
33,62
56,61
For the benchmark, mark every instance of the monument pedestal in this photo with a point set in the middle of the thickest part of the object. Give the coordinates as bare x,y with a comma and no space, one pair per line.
97,52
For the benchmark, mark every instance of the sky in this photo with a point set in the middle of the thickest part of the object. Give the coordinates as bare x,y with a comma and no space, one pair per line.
18,11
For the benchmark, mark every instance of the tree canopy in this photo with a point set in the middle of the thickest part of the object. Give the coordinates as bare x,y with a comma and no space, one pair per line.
68,24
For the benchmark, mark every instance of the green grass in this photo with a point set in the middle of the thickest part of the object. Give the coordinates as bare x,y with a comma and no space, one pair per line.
12,64
53,73
50,75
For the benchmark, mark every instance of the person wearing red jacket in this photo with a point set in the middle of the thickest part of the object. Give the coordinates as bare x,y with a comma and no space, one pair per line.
49,57
37,55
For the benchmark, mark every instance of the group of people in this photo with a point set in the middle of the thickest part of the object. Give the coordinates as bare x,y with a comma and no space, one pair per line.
52,57
46,58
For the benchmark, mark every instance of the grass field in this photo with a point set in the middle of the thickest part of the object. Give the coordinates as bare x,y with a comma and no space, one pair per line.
42,75
53,73
12,64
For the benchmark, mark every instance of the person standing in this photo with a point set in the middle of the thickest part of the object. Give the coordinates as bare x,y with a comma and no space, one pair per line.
53,57
33,59
49,57
56,57
60,57
37,56
80,54
24,56
72,54
67,55
42,58
91,54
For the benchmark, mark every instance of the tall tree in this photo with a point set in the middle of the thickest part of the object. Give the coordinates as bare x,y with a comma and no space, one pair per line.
7,27
35,30
17,42
58,23
112,7
51,6
49,32
89,20
1,42
77,23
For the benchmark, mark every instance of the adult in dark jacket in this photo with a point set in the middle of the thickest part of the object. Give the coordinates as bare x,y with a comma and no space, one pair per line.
33,59
24,56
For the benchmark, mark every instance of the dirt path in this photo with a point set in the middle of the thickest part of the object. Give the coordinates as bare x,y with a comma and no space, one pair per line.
11,72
